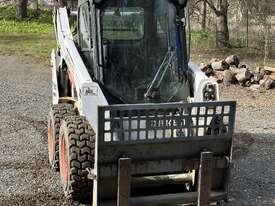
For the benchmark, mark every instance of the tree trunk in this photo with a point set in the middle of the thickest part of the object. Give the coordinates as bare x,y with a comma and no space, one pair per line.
21,9
222,34
247,27
267,45
204,15
37,5
220,66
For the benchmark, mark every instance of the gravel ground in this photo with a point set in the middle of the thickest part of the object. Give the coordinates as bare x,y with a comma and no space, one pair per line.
253,176
25,177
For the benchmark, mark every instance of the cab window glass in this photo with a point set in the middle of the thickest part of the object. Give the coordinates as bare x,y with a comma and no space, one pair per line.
123,23
84,26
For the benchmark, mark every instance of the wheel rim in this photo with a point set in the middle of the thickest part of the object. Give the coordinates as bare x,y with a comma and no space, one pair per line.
51,144
63,161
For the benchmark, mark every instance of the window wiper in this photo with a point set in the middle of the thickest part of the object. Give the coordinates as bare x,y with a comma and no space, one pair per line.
155,84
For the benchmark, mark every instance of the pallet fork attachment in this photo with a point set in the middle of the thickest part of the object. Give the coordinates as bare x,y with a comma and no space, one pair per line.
138,142
204,182
205,179
124,182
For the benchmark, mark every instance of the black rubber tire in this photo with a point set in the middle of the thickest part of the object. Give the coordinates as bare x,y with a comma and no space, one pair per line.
76,146
56,114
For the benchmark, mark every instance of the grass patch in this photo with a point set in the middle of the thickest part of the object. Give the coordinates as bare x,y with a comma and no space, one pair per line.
38,46
33,36
203,49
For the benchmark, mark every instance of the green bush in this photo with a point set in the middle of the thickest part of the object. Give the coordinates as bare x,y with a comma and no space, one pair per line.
202,39
236,43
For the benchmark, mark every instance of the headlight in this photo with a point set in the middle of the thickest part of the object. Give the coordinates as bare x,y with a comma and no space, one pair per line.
209,93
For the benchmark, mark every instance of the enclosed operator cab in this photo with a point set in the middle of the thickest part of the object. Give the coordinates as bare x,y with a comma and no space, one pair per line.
136,49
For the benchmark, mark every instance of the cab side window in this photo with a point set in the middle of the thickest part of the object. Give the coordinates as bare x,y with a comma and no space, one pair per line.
84,27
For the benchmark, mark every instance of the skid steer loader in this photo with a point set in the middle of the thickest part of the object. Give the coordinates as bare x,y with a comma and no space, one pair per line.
133,120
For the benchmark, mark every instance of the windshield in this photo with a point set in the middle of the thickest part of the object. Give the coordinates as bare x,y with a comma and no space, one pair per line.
140,45
123,24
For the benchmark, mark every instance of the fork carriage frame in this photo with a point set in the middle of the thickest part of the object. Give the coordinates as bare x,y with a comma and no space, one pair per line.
173,139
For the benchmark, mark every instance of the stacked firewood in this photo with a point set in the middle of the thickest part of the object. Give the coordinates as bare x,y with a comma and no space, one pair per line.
231,71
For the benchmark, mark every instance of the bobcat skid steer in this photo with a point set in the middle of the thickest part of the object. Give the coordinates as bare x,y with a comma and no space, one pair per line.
133,121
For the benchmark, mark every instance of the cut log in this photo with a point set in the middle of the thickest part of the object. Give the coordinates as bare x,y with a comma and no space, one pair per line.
269,69
243,75
242,84
208,70
263,73
219,76
220,66
234,70
272,76
228,77
262,82
258,69
244,66
233,60
266,82
247,84
257,77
